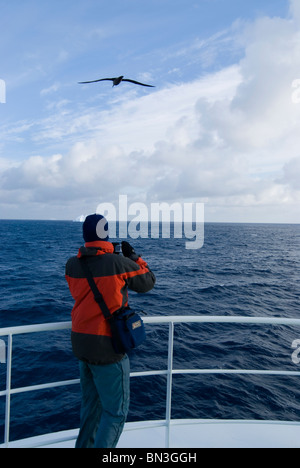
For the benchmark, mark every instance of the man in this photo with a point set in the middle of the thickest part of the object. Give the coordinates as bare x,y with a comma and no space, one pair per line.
104,374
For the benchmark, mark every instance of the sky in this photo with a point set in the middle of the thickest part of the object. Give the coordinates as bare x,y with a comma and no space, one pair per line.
220,127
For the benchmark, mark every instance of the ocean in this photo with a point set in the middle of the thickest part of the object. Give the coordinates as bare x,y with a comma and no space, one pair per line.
242,269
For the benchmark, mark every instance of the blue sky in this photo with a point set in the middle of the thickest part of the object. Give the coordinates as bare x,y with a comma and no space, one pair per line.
220,126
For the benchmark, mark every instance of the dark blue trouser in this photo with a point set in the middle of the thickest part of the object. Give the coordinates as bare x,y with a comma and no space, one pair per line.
105,403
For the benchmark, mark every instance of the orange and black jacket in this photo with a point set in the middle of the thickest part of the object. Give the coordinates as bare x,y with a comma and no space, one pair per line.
113,275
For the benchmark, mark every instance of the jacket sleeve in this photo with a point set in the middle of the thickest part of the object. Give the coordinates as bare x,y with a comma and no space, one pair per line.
139,276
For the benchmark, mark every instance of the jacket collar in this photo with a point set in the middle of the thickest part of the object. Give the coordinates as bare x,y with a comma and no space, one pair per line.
96,248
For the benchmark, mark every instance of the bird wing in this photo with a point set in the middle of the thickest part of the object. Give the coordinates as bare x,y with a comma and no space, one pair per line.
137,82
95,81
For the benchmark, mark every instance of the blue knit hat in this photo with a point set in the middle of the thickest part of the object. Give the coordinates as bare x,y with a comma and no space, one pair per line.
95,228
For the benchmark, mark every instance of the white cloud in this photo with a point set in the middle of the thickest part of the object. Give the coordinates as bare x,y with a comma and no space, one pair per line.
295,11
291,171
51,89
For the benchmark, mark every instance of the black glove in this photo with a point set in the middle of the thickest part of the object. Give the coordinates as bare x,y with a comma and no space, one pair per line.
128,251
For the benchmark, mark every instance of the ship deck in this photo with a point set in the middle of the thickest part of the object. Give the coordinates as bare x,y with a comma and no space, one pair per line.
186,434
168,433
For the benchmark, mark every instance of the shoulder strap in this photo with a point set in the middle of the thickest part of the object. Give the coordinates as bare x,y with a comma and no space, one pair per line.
97,294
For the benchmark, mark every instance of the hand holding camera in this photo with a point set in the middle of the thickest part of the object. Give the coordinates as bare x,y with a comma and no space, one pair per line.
126,249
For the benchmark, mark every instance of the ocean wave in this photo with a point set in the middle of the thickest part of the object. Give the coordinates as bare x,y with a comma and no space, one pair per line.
230,275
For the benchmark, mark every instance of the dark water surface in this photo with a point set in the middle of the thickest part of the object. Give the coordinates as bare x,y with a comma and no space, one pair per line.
242,269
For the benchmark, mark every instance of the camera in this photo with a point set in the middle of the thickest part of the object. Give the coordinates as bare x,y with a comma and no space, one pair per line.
117,248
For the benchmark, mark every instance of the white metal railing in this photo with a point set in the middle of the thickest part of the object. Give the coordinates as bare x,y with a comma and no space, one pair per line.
169,372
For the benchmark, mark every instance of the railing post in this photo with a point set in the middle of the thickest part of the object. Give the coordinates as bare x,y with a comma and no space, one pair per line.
8,387
169,383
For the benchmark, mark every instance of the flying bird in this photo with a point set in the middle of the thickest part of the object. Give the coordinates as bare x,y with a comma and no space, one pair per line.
117,81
